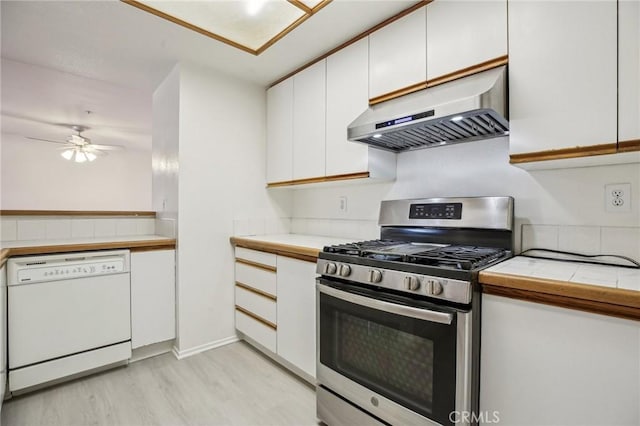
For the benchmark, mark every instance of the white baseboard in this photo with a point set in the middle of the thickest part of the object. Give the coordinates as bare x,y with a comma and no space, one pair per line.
181,354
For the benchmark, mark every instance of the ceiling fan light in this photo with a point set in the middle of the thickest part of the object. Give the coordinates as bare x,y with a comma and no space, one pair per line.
67,154
80,157
90,156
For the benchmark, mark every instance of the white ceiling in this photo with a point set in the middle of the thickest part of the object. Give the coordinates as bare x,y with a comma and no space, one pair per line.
110,47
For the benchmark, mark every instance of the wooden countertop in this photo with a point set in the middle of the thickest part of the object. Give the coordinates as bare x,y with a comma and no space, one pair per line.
601,289
298,246
134,243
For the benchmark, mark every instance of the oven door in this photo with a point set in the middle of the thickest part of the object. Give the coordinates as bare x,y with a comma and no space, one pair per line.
399,359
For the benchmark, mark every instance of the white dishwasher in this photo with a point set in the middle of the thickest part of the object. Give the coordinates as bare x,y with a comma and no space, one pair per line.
67,313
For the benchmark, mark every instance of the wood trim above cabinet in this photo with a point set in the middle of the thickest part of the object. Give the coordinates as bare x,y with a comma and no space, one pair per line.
256,291
564,153
75,213
398,93
319,179
464,72
262,266
256,317
629,146
360,36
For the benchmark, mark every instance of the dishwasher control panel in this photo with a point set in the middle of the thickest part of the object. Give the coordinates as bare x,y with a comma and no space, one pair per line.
66,266
71,270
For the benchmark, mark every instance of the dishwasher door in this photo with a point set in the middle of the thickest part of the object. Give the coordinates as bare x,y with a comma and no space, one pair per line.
49,320
66,305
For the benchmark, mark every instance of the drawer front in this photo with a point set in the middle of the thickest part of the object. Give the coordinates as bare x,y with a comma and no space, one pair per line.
261,333
258,304
256,256
257,278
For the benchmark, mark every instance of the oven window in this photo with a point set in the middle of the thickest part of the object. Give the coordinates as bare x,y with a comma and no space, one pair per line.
384,354
410,361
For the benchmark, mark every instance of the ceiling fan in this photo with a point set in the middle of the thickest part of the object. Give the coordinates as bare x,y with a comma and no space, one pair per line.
80,148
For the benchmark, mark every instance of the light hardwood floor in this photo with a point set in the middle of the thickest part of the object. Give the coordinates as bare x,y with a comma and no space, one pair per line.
231,385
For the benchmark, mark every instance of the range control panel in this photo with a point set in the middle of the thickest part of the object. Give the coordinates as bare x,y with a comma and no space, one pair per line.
436,211
63,271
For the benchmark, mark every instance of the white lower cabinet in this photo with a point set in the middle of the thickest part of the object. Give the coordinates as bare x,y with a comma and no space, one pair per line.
545,365
275,302
153,307
297,313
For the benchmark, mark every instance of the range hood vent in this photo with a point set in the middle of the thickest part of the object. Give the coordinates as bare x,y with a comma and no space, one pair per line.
463,110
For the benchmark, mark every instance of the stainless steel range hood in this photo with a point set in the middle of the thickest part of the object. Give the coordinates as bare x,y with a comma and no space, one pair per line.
471,108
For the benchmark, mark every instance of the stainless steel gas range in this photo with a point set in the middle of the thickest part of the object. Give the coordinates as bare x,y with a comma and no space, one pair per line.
398,318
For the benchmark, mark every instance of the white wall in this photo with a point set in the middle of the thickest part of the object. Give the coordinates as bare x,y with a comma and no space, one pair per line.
559,197
165,161
221,146
35,177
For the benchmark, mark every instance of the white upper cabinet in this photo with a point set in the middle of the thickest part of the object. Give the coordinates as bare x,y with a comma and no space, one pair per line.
280,132
309,105
629,70
398,54
347,98
461,34
562,74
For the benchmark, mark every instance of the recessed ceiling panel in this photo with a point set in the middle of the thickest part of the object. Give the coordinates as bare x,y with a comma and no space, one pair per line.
250,23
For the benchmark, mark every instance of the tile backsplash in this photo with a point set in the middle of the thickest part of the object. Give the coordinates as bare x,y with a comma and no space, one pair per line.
621,241
29,228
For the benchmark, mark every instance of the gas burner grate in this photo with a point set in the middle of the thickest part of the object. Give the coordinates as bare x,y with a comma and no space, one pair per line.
458,257
361,247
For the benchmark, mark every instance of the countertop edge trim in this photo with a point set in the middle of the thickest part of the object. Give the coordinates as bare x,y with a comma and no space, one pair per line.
584,305
564,289
149,214
306,254
133,245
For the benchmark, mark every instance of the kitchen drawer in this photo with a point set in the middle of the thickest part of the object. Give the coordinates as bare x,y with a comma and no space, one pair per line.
257,278
258,304
256,256
256,330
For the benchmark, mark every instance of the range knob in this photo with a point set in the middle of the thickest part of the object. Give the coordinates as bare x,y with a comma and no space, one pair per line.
434,287
345,270
330,268
411,283
375,276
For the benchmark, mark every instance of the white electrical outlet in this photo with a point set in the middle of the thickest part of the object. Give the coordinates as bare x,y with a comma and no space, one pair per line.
342,204
617,197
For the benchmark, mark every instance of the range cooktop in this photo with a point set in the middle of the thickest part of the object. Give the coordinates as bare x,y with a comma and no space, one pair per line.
460,257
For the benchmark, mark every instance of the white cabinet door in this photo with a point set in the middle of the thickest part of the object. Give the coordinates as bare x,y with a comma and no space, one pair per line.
153,307
398,54
461,34
280,132
297,313
544,365
309,105
347,98
629,70
562,74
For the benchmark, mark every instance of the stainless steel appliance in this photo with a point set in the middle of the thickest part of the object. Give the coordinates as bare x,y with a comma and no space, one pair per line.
398,317
471,108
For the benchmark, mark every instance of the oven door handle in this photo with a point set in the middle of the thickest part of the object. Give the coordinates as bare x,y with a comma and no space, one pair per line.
392,308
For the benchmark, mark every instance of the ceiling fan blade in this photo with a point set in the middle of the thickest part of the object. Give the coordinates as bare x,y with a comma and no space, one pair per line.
45,140
106,147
